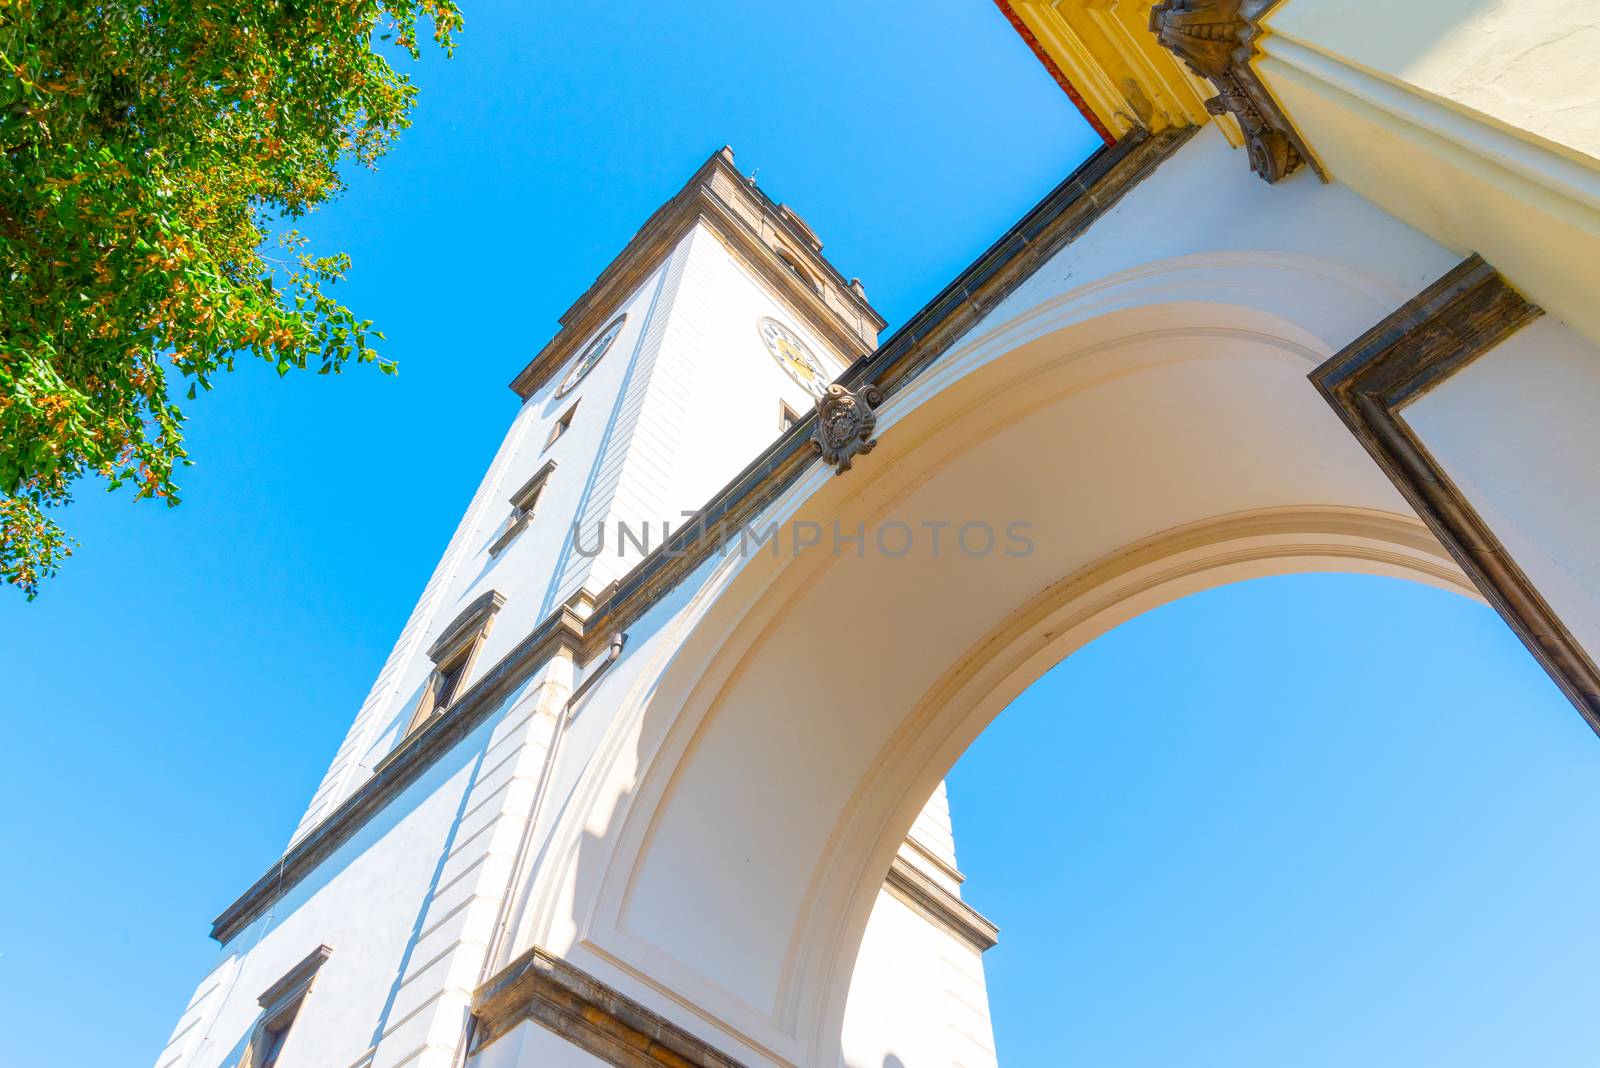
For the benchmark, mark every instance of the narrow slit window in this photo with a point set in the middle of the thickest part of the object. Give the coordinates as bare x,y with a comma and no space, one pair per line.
787,417
444,690
523,503
272,1037
563,425
798,271
452,656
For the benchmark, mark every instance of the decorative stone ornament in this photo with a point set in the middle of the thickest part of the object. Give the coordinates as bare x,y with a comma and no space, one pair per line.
845,422
1216,39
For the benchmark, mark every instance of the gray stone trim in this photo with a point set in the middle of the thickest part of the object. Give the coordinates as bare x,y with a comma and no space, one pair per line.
562,630
467,622
1370,381
542,987
1056,221
295,981
533,485
938,905
522,513
935,859
518,523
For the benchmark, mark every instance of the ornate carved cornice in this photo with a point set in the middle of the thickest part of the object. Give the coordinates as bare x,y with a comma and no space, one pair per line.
1370,381
1217,40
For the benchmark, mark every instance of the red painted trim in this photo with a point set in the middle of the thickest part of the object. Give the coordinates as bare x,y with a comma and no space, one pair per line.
1055,71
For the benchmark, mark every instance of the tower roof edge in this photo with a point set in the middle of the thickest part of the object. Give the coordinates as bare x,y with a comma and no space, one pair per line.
769,239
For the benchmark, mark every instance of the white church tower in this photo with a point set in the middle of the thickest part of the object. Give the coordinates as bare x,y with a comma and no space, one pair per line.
398,898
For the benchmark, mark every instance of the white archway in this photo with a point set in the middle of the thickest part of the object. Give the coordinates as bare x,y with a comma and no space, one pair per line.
1156,431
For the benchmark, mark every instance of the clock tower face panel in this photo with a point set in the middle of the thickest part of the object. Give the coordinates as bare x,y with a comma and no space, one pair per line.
591,355
793,355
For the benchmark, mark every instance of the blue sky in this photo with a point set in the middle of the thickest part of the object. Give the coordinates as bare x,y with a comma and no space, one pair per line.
1251,855
1321,820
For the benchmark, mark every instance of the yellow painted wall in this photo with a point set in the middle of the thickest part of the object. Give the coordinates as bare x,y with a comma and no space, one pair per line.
1106,50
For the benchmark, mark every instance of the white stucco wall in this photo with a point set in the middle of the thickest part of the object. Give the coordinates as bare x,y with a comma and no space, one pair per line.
405,906
1529,65
1518,432
917,999
697,845
714,831
1475,121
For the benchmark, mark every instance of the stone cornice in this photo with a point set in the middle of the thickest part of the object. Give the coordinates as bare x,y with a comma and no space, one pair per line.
715,196
562,630
922,850
1067,211
541,987
928,898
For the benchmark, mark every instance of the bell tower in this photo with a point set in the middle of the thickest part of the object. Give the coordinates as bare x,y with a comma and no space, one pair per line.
718,322
711,334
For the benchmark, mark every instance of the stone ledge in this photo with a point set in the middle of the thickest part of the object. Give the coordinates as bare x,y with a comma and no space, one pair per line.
939,906
402,768
542,987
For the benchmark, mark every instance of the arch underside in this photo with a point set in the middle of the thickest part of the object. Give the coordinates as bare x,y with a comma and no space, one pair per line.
1155,431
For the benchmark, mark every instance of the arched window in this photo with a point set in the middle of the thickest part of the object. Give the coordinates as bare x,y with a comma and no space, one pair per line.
800,272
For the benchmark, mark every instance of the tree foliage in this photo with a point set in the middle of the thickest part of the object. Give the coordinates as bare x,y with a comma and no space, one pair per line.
150,150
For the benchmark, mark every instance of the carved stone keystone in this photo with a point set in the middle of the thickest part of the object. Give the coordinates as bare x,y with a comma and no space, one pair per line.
845,422
1216,39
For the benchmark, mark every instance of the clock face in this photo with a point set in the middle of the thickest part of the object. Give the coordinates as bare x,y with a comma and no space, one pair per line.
591,355
793,356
